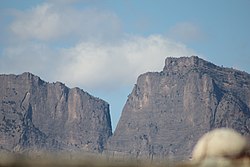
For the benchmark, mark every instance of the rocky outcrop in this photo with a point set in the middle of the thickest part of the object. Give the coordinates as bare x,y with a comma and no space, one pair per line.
168,111
36,115
164,116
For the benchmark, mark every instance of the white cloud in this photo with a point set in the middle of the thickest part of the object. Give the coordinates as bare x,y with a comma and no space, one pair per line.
186,32
104,65
41,22
49,22
32,57
94,64
63,1
102,56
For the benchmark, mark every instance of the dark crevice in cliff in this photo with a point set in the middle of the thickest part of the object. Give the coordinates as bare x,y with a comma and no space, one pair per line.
218,95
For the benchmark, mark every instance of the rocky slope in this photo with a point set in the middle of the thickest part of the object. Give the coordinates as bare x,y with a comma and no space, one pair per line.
36,115
168,111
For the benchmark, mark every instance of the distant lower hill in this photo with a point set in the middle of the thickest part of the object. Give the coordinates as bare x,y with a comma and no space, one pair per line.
168,111
39,116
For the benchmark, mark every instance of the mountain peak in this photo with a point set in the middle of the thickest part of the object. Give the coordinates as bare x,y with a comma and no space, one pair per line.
167,112
182,63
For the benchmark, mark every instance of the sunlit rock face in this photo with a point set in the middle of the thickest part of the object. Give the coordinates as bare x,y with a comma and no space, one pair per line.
168,111
40,116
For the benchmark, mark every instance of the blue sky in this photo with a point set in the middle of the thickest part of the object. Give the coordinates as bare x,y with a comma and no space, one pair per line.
102,46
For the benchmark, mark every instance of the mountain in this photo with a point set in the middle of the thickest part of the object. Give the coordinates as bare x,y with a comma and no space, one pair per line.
164,116
168,111
36,115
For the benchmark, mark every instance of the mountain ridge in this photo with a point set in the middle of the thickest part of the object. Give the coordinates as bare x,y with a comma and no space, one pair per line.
37,115
164,115
168,111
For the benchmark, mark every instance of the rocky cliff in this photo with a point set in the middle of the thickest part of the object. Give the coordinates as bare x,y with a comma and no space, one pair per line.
168,111
36,115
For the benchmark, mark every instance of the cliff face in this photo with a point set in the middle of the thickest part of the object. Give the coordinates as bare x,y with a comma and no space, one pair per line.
168,111
164,116
36,115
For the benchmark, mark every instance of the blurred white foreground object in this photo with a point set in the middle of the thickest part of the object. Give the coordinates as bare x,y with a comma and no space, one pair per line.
222,142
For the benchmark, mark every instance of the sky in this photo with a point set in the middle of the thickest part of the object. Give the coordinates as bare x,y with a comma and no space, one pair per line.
102,46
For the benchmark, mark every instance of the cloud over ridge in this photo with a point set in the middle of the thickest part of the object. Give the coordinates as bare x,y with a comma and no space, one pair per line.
97,64
101,56
49,21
